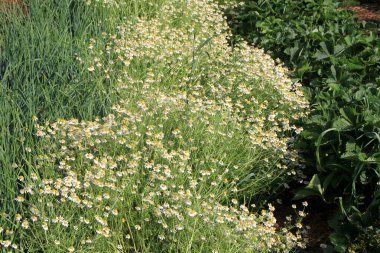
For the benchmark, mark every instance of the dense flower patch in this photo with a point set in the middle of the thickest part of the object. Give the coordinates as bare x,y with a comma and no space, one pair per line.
200,128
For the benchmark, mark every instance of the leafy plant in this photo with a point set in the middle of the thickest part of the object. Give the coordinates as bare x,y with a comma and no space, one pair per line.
338,61
350,2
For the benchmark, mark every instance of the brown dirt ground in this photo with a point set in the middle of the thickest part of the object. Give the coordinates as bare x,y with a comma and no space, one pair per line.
14,4
315,223
366,12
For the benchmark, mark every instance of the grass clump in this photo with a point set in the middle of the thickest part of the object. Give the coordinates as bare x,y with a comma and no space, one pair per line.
199,130
40,75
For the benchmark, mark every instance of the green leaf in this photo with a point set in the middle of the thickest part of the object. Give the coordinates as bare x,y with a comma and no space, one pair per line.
340,242
318,144
363,177
338,49
341,124
293,52
314,188
333,72
304,193
335,86
348,113
360,94
351,147
304,68
320,56
349,155
327,48
362,157
315,184
355,66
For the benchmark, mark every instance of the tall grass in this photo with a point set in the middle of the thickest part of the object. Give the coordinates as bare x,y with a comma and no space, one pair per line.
41,75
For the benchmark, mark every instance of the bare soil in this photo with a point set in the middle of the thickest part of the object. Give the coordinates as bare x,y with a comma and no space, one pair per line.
14,4
367,12
315,223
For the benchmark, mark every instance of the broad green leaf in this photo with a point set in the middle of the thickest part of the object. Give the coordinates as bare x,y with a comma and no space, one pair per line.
341,124
327,47
320,55
338,49
334,86
315,185
333,72
304,68
348,113
362,156
340,242
351,147
293,53
349,155
305,193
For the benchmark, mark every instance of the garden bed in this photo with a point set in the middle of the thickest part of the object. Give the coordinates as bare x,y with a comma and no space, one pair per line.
132,126
137,125
366,11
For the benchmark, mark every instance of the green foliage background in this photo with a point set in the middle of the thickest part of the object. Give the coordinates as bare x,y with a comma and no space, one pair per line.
338,61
